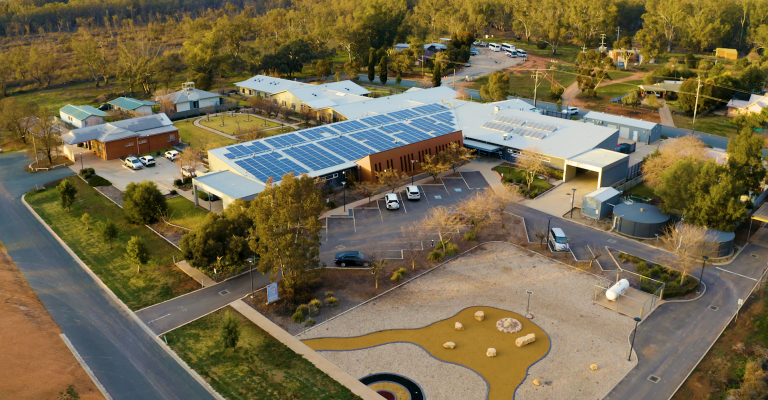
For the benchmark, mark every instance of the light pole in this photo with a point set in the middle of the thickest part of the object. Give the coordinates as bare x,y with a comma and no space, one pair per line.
251,271
81,164
634,333
413,171
528,307
549,221
573,197
344,184
703,264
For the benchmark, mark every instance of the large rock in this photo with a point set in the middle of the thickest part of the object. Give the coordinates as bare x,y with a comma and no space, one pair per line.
509,325
523,340
593,367
449,345
536,382
491,352
458,326
479,315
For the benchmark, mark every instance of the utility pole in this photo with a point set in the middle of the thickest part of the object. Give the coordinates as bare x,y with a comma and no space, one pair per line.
584,48
698,86
536,82
454,78
602,42
618,32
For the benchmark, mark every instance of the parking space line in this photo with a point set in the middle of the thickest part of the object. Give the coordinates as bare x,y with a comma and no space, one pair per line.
465,181
326,229
354,222
402,202
378,207
425,193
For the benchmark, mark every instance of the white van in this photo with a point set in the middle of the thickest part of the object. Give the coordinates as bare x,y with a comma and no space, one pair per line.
507,47
557,240
522,53
494,47
511,53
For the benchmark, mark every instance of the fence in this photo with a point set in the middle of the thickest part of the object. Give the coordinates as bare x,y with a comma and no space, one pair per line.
635,170
628,184
556,114
228,105
640,298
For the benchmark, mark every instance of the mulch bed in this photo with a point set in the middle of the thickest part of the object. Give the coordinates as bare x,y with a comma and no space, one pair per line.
112,193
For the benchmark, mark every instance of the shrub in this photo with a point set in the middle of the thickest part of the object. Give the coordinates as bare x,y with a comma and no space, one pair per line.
202,195
297,317
178,182
554,173
98,181
534,193
641,267
396,277
143,203
435,255
470,236
303,308
331,301
159,153
314,307
329,293
310,322
541,45
173,192
331,204
187,180
451,250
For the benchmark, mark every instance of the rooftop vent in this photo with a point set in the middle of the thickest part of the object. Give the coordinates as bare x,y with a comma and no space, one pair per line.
506,136
496,109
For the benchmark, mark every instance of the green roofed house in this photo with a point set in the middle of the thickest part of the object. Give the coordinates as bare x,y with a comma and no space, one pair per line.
82,116
136,107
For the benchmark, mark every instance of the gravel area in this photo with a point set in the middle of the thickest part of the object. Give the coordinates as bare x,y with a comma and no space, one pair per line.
438,379
111,192
498,275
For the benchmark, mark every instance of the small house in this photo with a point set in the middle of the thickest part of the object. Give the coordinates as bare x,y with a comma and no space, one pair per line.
755,104
82,116
189,98
137,108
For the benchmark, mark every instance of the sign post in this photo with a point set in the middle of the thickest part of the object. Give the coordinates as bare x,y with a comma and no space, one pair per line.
272,293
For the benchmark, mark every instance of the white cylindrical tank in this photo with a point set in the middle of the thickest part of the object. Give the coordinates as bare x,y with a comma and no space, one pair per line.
617,290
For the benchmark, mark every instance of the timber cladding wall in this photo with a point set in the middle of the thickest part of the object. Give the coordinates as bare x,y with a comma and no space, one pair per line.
400,158
137,145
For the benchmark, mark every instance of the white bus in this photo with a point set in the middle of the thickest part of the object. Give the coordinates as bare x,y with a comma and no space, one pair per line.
507,47
494,47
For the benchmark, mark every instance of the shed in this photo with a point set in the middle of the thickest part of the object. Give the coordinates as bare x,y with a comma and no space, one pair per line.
82,116
629,128
599,204
639,220
728,54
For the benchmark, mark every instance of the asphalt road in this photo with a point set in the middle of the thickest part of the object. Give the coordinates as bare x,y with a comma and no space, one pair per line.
124,357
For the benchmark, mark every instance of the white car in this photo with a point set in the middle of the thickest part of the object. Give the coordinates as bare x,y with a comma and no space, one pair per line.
392,202
147,161
413,192
572,111
188,172
171,154
133,163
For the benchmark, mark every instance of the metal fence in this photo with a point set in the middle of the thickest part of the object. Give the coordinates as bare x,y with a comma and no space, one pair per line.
228,105
638,300
635,170
628,184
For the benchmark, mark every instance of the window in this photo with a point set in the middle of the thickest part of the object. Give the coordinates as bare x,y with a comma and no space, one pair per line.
171,138
129,144
332,176
142,141
518,153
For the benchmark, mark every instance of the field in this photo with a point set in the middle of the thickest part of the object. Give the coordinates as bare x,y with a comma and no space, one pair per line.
260,367
184,212
714,124
521,84
200,138
231,124
159,280
606,92
36,362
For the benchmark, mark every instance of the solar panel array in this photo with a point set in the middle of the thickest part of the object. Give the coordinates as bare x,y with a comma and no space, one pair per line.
346,147
313,157
316,133
428,109
445,117
541,126
423,124
403,114
412,136
498,127
243,150
528,124
377,120
531,133
284,140
376,139
267,165
510,120
348,126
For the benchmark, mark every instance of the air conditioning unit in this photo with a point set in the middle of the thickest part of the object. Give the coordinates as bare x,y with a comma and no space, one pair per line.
506,136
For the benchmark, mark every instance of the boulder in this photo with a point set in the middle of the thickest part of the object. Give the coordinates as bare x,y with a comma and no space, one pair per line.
536,382
449,345
491,352
593,367
458,326
479,315
509,325
523,340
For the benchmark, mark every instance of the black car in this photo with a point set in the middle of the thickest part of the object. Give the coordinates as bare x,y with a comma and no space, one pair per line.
347,258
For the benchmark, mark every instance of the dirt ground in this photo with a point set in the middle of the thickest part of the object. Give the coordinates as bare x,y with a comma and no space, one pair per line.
36,364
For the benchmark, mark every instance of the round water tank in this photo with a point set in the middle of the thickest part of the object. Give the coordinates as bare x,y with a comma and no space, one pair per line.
639,220
617,290
721,243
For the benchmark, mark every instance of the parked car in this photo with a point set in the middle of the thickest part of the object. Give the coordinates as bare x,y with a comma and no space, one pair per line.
474,52
625,148
346,258
172,154
413,192
467,65
572,111
392,202
557,240
188,172
133,163
148,161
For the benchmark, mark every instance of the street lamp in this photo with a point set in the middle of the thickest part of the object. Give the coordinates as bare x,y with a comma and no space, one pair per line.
413,171
703,264
528,307
81,164
549,221
253,261
634,333
344,184
573,197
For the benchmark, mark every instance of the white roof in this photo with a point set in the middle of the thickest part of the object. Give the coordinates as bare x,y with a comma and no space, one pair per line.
147,125
231,184
603,194
319,97
600,158
189,94
618,119
758,101
269,84
396,102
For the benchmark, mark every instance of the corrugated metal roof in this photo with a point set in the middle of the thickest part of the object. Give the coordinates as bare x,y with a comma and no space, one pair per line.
480,145
600,158
109,132
230,184
185,95
82,112
128,103
603,194
618,119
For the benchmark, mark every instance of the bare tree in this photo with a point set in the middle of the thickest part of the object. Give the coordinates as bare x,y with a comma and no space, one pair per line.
477,210
163,100
413,236
390,178
596,252
540,232
443,220
367,189
531,164
667,154
47,133
377,261
503,197
687,245
208,110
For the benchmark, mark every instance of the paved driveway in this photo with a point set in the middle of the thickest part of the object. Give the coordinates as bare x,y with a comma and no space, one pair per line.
558,200
484,63
124,358
163,173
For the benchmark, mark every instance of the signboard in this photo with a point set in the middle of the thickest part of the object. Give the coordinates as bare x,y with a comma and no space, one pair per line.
272,294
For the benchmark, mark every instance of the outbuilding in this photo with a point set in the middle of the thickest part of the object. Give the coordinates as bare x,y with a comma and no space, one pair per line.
639,220
82,116
629,128
137,108
600,203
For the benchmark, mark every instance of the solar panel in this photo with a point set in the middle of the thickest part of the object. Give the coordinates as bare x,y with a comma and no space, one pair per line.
264,166
348,126
376,139
392,128
441,129
285,140
446,117
531,133
312,156
510,120
346,148
377,120
498,127
403,114
314,133
413,136
428,109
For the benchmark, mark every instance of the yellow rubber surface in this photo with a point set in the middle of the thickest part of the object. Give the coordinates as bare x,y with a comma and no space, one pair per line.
503,372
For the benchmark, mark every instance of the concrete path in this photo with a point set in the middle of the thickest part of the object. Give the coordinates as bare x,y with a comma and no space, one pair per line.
197,123
558,200
128,361
194,273
666,115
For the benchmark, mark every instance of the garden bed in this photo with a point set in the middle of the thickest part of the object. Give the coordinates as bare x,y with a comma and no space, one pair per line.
514,175
670,277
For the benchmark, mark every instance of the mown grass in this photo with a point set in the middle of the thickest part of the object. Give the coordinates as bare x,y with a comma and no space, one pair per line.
643,191
260,367
231,123
182,211
159,279
719,125
197,137
512,174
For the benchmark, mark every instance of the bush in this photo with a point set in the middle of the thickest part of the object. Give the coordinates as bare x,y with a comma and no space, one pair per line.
435,255
329,293
314,307
641,267
202,195
396,277
554,173
187,180
331,204
741,63
470,236
541,45
98,181
178,183
451,250
534,193
159,153
309,322
173,192
297,317
143,203
331,301
303,308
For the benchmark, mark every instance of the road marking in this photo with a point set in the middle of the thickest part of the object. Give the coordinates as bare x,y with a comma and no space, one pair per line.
437,196
465,181
743,276
457,189
159,318
402,202
340,247
224,292
425,194
378,207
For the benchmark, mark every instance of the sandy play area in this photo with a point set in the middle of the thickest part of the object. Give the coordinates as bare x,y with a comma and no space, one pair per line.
36,364
496,276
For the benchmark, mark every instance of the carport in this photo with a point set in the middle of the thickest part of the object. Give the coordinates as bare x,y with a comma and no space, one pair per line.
483,149
603,167
227,185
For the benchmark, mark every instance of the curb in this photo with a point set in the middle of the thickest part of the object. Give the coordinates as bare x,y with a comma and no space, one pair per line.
85,366
125,308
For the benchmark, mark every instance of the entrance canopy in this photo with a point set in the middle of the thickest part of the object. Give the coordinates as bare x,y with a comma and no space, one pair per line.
228,185
474,144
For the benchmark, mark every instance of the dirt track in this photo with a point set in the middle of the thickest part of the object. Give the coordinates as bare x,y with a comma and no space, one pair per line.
36,364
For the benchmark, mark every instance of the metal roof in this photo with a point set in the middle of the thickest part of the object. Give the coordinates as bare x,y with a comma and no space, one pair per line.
603,194
82,112
618,119
600,158
230,184
640,212
187,95
762,213
127,103
269,84
133,127
480,145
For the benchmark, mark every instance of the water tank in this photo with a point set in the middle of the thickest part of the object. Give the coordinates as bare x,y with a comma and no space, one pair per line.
721,243
617,290
639,220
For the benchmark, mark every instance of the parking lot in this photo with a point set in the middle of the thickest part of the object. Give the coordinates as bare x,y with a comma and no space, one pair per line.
485,63
163,173
376,226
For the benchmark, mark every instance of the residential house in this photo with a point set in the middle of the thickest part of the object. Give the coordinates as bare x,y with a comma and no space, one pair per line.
82,116
137,108
755,104
189,98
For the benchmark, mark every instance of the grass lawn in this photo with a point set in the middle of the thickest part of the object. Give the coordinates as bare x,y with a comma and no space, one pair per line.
260,367
719,125
273,132
607,92
77,94
643,191
158,281
183,212
515,175
196,136
232,123
522,85
565,52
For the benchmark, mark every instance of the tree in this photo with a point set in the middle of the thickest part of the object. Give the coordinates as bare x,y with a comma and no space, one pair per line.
550,23
686,246
433,165
652,102
208,110
504,196
322,69
47,133
497,88
436,75
18,118
367,188
67,192
753,386
143,203
371,64
753,78
377,261
455,155
352,70
108,231
412,237
631,100
87,51
444,221
531,164
477,211
42,64
390,178
230,330
745,153
69,394
219,236
758,36
136,252
86,220
592,68
666,17
383,70
671,151
338,74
